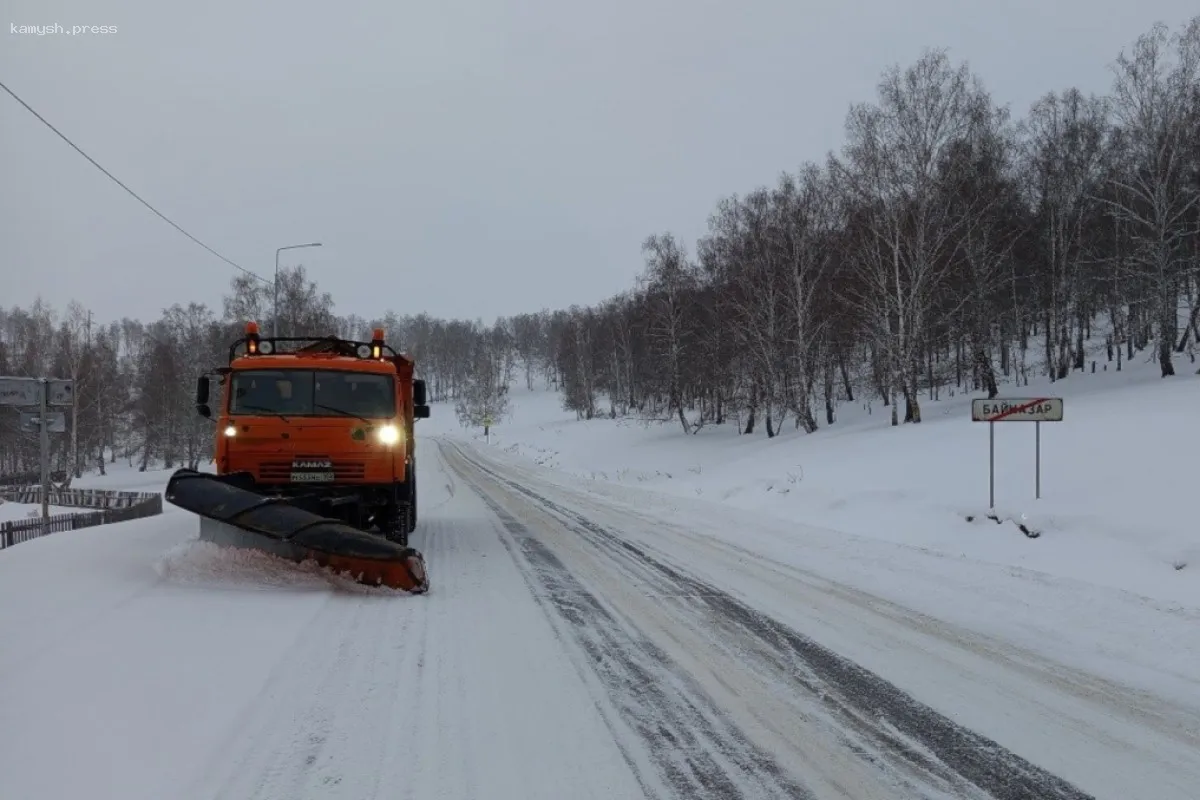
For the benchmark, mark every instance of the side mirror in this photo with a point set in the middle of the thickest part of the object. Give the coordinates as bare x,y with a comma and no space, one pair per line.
421,412
420,393
202,390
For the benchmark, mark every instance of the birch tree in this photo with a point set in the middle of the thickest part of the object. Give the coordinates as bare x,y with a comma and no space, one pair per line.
1155,105
892,170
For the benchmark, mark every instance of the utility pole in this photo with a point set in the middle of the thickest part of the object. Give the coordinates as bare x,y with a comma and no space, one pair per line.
76,366
44,433
275,300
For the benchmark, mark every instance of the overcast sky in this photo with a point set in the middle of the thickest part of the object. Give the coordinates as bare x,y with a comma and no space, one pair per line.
468,158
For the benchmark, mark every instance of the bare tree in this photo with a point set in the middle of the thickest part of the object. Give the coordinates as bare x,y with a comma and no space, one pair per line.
669,279
807,218
1155,105
485,400
945,248
893,169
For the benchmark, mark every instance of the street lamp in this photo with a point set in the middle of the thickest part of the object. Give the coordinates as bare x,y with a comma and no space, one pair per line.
275,301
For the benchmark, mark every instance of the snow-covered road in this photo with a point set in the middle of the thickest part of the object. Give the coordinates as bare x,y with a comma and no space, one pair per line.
741,637
572,645
206,674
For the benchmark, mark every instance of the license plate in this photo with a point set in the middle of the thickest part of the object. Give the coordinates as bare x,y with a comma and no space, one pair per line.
312,477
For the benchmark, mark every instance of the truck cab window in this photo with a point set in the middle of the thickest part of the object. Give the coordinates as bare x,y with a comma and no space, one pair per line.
319,393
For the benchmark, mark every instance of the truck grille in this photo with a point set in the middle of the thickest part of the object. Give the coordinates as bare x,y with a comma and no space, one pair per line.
281,471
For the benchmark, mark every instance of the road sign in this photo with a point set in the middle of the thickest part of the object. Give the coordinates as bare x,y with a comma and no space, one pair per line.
62,392
40,392
31,420
1018,409
20,391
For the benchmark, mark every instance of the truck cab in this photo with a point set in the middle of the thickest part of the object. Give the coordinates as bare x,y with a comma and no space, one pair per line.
327,423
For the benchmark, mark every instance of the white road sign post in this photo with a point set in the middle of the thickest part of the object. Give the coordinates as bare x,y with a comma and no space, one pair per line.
43,393
1016,409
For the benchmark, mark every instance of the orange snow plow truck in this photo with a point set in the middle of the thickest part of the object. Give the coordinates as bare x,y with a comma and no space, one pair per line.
315,455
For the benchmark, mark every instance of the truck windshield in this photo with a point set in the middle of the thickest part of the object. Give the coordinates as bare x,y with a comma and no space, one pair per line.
312,393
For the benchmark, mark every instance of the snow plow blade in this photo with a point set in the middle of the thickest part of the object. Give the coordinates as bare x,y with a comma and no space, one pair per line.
233,516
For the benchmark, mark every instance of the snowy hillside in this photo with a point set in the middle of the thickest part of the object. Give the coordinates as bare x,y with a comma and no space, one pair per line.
1118,477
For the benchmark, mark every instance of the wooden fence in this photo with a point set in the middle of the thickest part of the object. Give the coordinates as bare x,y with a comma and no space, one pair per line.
106,507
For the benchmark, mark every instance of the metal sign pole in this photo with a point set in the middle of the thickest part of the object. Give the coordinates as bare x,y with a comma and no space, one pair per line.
44,435
1037,457
992,465
1016,409
24,392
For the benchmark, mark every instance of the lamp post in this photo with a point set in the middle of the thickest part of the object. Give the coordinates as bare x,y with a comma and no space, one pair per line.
275,301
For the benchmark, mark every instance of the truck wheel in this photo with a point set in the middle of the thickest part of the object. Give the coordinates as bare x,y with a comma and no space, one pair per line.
393,524
412,501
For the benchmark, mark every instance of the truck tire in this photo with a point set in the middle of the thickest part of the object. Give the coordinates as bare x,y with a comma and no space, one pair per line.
412,499
393,524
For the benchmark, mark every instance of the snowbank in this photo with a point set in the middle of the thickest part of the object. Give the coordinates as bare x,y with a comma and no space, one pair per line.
122,477
20,512
1117,473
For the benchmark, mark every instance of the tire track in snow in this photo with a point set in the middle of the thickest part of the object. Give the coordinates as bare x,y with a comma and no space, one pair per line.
434,692
489,703
1107,737
899,727
448,483
249,749
699,754
23,659
696,752
394,697
831,762
1165,718
245,677
314,731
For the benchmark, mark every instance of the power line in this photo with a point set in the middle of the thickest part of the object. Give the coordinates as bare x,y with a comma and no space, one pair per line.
126,188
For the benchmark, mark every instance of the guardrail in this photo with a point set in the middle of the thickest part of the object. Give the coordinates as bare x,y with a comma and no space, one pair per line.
108,507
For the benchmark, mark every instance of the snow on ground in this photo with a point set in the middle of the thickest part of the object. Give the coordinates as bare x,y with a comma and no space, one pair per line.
584,637
143,664
20,512
1118,477
120,477
1095,684
123,477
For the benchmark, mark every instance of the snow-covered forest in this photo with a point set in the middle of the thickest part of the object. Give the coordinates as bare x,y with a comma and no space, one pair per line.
950,244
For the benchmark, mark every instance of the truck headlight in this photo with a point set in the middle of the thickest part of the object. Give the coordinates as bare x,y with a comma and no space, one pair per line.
389,434
230,431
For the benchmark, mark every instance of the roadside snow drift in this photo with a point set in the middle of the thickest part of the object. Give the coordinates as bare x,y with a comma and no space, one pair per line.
1118,476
